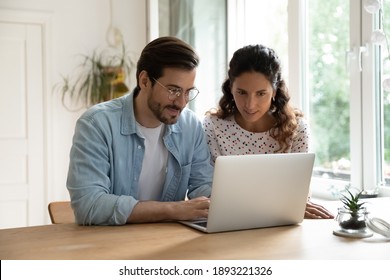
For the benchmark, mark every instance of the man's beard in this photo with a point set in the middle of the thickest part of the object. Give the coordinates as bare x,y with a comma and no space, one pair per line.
158,110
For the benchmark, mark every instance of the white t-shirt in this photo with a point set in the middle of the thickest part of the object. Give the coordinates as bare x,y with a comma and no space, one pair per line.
152,178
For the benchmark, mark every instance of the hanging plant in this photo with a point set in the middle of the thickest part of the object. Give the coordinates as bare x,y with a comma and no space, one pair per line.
100,77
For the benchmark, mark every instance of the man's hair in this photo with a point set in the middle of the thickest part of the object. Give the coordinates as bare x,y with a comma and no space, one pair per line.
165,52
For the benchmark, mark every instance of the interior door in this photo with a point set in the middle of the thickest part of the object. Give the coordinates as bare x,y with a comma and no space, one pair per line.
22,196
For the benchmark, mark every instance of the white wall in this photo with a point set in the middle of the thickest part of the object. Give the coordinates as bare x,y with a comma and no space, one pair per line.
76,27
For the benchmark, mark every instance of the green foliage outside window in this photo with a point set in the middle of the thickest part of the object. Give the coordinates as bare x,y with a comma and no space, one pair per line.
329,81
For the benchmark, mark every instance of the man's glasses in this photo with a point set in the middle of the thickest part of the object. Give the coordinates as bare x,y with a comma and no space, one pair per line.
175,92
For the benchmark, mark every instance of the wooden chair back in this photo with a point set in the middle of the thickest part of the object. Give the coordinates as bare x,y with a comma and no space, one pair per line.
61,212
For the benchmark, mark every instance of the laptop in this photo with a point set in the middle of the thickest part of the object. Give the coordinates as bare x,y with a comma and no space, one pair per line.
257,191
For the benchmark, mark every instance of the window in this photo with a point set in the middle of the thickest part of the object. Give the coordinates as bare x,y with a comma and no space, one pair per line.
250,22
343,86
327,86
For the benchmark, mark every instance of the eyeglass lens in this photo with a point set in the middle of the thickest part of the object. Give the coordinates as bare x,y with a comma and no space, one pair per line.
173,93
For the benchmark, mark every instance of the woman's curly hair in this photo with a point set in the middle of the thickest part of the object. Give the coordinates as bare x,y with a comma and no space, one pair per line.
261,59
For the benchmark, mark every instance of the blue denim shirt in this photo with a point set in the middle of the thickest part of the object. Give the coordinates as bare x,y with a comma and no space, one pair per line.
106,160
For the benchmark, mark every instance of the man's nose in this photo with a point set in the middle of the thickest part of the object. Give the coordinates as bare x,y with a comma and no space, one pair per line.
181,100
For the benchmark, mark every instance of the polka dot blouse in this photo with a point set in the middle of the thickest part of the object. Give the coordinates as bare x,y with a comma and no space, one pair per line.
226,137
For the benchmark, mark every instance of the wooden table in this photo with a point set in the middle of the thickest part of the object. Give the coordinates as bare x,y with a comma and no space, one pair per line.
313,239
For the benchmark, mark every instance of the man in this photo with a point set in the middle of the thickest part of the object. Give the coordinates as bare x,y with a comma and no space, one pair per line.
134,159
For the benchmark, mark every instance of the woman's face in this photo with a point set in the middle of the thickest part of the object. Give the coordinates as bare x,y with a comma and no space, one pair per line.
252,93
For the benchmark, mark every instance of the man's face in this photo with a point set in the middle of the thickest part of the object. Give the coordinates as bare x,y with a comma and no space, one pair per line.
164,109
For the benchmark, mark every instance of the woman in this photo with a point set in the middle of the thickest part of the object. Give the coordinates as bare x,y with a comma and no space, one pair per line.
254,114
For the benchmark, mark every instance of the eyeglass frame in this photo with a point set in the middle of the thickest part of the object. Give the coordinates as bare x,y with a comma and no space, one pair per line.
172,95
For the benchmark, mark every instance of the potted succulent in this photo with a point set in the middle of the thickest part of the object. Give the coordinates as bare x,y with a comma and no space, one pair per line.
352,217
100,77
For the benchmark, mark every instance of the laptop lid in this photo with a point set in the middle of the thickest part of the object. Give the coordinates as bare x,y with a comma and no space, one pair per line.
255,191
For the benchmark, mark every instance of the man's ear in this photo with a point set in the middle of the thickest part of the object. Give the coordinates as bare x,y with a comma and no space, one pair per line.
143,79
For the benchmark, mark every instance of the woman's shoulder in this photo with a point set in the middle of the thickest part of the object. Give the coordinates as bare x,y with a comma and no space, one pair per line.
210,116
303,126
302,122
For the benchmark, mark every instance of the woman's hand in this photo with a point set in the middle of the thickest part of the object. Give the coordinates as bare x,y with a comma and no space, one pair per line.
315,211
